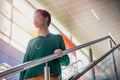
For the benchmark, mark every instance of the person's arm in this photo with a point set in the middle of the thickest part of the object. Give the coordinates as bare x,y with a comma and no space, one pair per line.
64,60
25,59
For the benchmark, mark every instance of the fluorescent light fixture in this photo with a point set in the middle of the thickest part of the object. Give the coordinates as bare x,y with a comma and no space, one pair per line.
96,16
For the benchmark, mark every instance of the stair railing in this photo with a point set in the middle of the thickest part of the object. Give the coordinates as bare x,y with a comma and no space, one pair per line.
30,64
92,64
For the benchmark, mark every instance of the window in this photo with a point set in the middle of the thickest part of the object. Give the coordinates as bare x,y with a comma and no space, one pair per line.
20,36
5,25
5,8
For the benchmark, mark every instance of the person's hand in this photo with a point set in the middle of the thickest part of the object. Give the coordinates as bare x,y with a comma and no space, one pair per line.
59,52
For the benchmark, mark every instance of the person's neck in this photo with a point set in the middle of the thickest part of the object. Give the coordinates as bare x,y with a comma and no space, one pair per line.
43,32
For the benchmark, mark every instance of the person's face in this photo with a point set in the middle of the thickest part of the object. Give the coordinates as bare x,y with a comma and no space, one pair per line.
39,20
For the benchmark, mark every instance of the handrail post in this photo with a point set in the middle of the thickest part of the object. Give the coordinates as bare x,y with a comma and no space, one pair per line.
91,59
112,39
114,63
46,72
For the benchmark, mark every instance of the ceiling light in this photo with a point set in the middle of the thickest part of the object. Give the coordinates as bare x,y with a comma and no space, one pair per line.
96,16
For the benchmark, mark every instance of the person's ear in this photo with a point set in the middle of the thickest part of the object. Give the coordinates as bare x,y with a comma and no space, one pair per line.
46,19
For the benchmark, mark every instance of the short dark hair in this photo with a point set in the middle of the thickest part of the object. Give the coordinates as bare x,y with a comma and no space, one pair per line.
45,13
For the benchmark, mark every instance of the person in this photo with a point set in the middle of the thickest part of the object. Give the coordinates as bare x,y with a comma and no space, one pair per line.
43,45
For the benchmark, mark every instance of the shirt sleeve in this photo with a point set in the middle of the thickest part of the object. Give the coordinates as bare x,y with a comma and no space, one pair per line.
25,59
65,59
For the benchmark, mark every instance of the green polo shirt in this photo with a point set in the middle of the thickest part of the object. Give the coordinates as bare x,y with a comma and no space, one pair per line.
40,47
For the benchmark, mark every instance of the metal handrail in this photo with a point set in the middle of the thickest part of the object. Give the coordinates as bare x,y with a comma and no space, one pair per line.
30,64
92,64
71,64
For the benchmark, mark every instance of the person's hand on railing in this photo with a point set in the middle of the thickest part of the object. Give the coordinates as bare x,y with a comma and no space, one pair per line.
59,52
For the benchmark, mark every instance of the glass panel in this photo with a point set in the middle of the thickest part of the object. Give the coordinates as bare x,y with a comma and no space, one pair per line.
17,46
117,61
20,36
25,8
5,8
24,22
105,69
3,37
77,64
5,25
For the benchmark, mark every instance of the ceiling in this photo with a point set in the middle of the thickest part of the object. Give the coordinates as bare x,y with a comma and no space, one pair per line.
77,17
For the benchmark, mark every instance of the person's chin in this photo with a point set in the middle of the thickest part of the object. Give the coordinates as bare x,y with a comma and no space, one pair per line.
36,27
